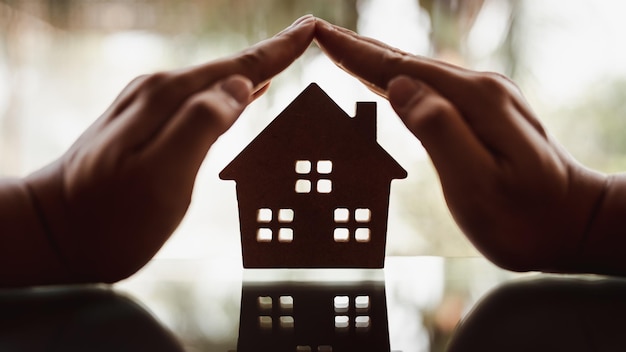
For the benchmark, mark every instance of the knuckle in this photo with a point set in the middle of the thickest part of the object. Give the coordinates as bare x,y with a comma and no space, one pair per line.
138,81
153,80
391,59
157,87
134,86
495,86
252,58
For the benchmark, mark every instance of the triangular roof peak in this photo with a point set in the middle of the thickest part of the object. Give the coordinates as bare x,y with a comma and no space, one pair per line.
313,122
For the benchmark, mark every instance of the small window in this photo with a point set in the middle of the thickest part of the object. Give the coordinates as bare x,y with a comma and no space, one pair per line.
324,166
342,322
342,215
303,167
303,186
264,215
362,302
362,215
285,215
325,348
324,186
285,235
341,235
265,322
286,322
362,322
265,303
362,235
303,348
286,302
264,235
341,303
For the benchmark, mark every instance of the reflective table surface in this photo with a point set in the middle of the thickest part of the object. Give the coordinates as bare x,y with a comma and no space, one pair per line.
414,304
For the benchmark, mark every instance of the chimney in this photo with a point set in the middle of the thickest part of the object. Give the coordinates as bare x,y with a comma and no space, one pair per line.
365,119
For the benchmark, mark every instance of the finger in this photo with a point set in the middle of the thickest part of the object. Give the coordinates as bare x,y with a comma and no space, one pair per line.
491,108
378,63
458,155
162,94
258,63
182,145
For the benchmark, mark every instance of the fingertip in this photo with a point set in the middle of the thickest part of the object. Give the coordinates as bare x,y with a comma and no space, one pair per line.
302,22
321,24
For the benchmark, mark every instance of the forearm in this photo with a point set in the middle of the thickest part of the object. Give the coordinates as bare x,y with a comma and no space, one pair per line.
604,249
27,256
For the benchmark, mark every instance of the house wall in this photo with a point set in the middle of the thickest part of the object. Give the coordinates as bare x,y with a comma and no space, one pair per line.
320,230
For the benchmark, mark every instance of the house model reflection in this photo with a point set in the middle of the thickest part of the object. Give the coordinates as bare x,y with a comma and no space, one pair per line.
313,317
313,187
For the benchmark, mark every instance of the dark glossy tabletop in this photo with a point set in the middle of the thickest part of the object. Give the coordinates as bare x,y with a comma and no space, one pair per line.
414,304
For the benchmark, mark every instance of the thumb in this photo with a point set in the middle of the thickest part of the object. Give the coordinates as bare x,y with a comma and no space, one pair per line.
237,92
449,140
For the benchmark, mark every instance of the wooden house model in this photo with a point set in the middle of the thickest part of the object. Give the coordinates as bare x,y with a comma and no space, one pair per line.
313,188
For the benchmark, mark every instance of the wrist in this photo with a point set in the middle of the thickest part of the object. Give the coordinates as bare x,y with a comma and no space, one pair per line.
603,250
585,195
45,188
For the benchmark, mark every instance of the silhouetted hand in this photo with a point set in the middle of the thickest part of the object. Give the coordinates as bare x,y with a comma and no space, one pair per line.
115,197
523,201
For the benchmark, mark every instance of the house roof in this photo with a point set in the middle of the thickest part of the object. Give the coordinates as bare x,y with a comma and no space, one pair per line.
314,127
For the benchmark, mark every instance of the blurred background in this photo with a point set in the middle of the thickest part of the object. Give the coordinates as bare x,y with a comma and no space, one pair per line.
62,62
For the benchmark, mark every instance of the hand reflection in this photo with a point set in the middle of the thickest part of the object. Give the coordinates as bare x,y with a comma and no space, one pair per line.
78,319
547,314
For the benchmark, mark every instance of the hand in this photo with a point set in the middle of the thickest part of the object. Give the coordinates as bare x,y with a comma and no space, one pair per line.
523,201
115,197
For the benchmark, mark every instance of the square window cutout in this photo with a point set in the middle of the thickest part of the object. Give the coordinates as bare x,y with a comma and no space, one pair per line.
265,322
362,215
286,322
362,302
362,322
362,235
342,215
264,235
264,215
285,235
265,302
285,215
286,302
341,235
303,167
324,166
303,186
341,303
342,322
324,186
